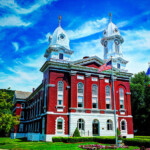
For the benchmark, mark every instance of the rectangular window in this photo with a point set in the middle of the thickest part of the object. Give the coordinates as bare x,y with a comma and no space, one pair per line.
118,66
61,56
21,128
22,105
80,101
59,125
22,115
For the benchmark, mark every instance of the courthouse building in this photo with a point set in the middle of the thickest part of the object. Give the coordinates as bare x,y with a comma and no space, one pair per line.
74,94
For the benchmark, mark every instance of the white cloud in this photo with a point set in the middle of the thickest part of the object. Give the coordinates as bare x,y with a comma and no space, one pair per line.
136,40
90,48
24,75
11,4
45,39
15,45
88,28
9,21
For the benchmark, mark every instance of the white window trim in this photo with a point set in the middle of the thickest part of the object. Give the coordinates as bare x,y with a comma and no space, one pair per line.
22,114
79,94
111,123
23,104
95,96
109,97
121,98
60,94
123,131
57,131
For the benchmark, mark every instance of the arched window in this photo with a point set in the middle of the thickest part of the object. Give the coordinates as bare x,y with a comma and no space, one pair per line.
80,95
59,124
109,125
123,125
108,97
81,124
60,93
121,97
117,46
94,96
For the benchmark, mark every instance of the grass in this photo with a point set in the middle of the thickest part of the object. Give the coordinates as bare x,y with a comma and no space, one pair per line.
142,137
20,144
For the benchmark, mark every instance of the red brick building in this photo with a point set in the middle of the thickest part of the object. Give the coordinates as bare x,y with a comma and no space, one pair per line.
74,94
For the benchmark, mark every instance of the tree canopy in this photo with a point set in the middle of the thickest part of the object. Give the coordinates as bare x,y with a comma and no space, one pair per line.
7,120
140,100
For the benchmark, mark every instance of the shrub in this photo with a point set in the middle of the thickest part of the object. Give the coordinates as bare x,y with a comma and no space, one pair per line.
106,139
118,132
137,142
76,133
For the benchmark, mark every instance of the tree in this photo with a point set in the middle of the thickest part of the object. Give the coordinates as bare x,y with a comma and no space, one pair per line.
140,101
76,133
7,120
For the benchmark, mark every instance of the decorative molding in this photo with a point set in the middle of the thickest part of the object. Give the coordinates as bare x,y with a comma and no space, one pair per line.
101,77
68,87
122,110
58,106
51,85
80,77
87,75
128,93
94,79
115,78
73,73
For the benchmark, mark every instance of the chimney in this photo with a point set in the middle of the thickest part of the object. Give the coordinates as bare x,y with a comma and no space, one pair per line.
33,89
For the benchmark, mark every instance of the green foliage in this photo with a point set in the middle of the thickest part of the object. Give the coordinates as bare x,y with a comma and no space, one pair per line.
7,120
118,132
140,102
100,139
20,144
137,142
76,133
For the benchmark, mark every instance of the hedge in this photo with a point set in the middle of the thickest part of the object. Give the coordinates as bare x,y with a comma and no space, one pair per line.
100,139
142,137
104,139
137,142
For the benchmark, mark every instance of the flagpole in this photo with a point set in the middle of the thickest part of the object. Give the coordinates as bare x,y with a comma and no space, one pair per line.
114,101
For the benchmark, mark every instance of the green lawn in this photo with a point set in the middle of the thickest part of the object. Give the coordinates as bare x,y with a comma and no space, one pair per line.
7,143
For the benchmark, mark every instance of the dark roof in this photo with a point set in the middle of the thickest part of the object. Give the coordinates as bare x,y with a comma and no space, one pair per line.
22,95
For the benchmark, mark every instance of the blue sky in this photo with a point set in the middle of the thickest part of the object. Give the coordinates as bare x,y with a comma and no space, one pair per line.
26,25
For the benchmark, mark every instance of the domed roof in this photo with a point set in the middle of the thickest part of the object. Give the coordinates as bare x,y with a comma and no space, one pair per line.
111,30
59,38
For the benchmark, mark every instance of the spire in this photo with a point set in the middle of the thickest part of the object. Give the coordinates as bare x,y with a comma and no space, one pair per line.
110,16
59,20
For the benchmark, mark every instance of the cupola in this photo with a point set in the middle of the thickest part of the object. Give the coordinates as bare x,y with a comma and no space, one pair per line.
59,48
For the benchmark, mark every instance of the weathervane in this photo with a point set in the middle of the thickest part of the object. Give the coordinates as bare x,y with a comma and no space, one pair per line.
110,16
59,20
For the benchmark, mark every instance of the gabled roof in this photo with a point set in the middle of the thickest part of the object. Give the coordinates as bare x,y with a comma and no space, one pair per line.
93,59
121,60
22,94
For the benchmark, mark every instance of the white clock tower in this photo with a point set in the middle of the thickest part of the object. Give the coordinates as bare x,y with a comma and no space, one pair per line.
112,42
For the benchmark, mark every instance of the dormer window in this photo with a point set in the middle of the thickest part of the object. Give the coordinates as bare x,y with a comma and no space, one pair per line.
61,56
